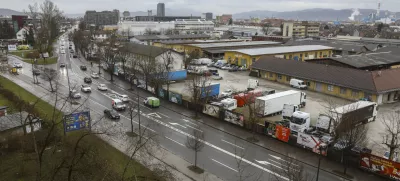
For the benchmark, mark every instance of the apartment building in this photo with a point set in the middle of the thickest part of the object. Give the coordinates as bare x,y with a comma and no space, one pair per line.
301,29
102,18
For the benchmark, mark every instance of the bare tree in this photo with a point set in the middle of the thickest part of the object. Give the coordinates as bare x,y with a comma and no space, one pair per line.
199,88
148,31
243,171
266,29
132,69
196,144
51,76
168,62
290,169
108,51
189,57
391,135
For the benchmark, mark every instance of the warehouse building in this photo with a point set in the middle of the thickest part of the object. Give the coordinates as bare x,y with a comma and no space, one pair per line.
179,45
149,39
379,86
246,57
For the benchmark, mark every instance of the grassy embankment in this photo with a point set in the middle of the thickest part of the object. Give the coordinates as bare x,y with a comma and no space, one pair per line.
23,55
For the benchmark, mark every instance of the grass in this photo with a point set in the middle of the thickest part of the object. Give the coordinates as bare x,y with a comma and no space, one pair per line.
23,53
19,166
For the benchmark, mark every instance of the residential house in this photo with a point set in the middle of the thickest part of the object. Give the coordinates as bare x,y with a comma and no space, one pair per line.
17,124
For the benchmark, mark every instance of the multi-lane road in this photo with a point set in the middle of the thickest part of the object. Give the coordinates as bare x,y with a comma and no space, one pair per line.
225,154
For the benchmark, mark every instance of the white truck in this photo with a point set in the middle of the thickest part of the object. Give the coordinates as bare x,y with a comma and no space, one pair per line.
273,104
252,84
288,110
229,104
300,121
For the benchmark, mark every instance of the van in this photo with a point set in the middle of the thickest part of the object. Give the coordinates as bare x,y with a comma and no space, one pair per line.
296,83
152,102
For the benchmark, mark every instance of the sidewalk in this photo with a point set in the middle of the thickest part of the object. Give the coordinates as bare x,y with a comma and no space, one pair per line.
177,166
266,142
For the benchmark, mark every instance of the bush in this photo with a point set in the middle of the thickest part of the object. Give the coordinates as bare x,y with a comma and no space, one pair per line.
32,55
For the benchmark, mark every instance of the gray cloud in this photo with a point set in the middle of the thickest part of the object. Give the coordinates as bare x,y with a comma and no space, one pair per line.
217,7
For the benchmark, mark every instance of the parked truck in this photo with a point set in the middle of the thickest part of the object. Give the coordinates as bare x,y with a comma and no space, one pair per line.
252,84
288,110
273,104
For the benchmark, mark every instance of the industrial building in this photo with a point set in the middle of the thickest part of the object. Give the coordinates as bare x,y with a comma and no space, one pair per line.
101,18
164,18
301,29
139,27
194,26
179,45
246,57
149,39
352,84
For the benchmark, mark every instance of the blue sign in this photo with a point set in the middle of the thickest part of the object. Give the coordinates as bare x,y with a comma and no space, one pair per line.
77,121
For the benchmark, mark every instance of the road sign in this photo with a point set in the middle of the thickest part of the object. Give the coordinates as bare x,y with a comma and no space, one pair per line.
76,121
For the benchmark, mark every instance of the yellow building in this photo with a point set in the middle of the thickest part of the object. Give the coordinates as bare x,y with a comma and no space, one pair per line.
301,29
245,57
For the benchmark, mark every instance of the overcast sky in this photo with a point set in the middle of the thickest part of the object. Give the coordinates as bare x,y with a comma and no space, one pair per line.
215,6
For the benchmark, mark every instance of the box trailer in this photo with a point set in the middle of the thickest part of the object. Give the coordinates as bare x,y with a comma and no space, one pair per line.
211,90
248,97
273,104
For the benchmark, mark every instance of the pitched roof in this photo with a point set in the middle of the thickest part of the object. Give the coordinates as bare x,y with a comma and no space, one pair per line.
386,80
146,50
340,76
280,50
167,37
234,44
370,59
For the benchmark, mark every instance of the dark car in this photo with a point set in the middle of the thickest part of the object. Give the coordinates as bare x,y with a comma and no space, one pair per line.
62,65
75,56
112,114
83,67
87,80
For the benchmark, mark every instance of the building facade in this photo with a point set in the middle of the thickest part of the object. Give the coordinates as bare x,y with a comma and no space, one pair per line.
207,16
102,18
161,9
164,18
224,19
301,29
139,27
194,26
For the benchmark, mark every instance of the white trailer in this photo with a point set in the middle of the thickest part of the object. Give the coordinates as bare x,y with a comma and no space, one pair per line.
273,104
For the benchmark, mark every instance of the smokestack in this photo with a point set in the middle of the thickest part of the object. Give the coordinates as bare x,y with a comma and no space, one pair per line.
379,9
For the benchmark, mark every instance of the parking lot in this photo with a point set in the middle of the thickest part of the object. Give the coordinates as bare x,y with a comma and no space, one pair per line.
316,102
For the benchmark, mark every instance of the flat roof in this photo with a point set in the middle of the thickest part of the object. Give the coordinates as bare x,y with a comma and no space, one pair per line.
280,50
233,44
169,42
352,107
369,59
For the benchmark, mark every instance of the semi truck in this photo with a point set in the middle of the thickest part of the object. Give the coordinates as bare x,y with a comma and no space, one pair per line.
273,104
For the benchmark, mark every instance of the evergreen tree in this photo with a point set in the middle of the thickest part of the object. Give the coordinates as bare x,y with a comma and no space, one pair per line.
30,37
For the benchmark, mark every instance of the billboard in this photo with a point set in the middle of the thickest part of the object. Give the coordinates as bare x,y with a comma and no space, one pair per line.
312,142
12,47
76,121
234,118
381,166
211,110
175,97
282,133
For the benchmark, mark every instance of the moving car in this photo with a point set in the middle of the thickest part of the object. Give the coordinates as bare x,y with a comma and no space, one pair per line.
74,94
62,51
83,67
86,88
118,105
62,65
87,80
112,114
75,56
102,87
95,75
17,65
151,102
123,98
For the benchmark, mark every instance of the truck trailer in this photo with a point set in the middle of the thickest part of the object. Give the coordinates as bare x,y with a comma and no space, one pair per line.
273,104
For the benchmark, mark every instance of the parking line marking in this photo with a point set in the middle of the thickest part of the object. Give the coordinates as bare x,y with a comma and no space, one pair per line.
224,165
175,141
232,144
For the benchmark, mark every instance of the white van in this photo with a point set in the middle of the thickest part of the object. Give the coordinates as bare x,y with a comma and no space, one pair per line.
296,83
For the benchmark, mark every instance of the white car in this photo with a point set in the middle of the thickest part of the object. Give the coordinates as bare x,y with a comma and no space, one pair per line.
123,98
75,95
62,51
86,88
17,65
95,75
226,93
102,87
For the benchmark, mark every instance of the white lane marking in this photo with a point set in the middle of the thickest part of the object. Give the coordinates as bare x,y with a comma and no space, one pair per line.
193,128
267,163
163,114
233,144
279,158
154,114
290,167
189,122
175,141
224,165
176,124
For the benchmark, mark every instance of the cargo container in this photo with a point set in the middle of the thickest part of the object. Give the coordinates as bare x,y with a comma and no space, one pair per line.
248,97
273,104
211,90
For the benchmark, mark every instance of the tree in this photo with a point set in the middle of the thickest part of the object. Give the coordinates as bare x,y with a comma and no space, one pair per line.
109,51
256,33
290,169
266,29
326,27
168,62
169,31
148,31
199,88
391,122
189,57
230,22
51,76
30,37
195,142
379,27
132,68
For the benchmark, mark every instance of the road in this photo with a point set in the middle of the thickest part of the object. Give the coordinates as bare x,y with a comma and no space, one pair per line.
225,154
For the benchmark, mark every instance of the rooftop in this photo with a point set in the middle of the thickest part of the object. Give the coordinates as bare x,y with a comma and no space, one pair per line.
369,59
234,44
171,42
166,37
146,50
367,81
337,45
280,50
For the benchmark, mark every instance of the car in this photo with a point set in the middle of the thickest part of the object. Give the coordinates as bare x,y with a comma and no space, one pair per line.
62,52
227,93
95,75
123,98
17,65
87,80
102,87
75,56
83,67
36,72
71,51
86,88
74,94
69,47
62,65
118,104
114,96
112,114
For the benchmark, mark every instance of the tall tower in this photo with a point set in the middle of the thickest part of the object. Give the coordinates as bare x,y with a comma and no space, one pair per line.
161,9
379,9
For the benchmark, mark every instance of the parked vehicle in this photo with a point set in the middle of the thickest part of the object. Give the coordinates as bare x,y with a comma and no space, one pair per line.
252,84
229,104
288,110
204,61
151,102
248,97
112,114
102,87
75,56
118,104
296,83
211,90
226,93
17,65
300,121
273,104
312,142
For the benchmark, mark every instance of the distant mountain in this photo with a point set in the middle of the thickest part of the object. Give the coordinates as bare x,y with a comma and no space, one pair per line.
9,12
317,14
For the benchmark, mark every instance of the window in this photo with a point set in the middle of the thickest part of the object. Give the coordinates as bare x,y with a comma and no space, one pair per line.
288,78
354,93
330,88
343,90
320,54
279,76
290,56
306,55
271,74
253,59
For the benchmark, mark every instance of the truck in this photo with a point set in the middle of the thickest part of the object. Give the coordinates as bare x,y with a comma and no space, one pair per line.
211,90
229,104
300,121
247,97
312,142
288,110
252,84
273,104
151,102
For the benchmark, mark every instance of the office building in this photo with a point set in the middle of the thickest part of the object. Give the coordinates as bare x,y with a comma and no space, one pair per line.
102,18
207,16
161,9
301,29
224,19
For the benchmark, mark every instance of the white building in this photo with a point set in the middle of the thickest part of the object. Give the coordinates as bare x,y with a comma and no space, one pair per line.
196,26
21,34
385,21
139,27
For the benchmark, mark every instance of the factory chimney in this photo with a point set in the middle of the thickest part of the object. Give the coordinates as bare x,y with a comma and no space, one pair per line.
379,9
